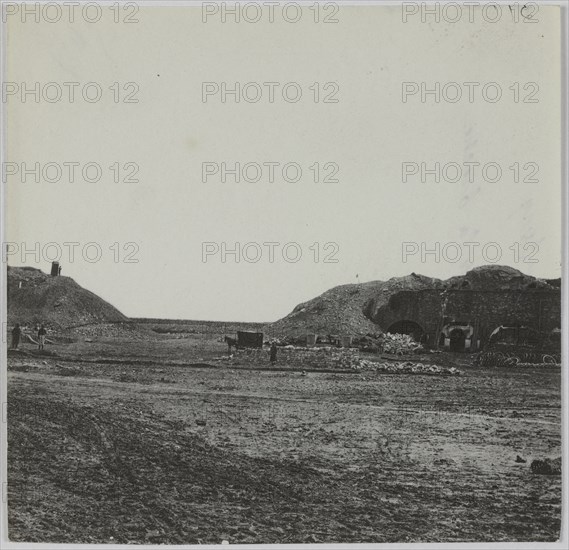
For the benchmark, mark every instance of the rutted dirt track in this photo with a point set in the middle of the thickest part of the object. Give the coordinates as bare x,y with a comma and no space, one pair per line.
108,453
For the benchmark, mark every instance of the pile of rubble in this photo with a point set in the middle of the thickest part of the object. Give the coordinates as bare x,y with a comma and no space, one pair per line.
336,358
520,360
348,309
530,365
405,368
336,311
400,344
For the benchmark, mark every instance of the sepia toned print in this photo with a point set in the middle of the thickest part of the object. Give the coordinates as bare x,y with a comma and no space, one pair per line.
283,273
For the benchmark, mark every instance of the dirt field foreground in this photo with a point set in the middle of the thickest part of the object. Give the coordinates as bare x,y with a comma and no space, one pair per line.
159,441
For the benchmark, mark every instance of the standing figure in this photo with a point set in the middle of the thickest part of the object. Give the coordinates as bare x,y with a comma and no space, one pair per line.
231,343
273,353
41,337
16,333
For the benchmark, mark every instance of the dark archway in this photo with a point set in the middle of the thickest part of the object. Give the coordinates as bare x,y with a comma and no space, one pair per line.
457,339
407,327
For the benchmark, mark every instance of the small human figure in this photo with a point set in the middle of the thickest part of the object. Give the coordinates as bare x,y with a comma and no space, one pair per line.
16,333
381,342
41,337
59,270
231,343
273,353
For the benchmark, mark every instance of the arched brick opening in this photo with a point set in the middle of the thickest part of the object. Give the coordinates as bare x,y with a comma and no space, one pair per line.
457,337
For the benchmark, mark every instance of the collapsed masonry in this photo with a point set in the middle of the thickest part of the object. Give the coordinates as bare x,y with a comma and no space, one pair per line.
465,313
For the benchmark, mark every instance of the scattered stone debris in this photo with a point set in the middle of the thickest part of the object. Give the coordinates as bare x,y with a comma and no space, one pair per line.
328,357
518,359
406,368
521,365
400,344
520,460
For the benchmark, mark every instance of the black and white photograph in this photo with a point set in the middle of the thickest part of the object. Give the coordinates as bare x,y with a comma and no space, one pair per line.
283,273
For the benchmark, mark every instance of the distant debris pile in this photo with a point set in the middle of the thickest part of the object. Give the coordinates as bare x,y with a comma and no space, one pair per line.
517,359
339,311
334,358
395,344
406,368
400,344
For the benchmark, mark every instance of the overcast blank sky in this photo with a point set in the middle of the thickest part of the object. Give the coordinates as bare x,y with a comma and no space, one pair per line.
368,134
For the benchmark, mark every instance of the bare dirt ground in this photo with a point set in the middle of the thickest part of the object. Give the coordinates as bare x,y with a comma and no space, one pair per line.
157,440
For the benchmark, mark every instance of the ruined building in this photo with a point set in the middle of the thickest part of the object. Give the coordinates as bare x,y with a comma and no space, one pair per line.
465,313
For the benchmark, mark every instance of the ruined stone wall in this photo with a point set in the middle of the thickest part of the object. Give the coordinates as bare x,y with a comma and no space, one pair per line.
423,307
538,309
